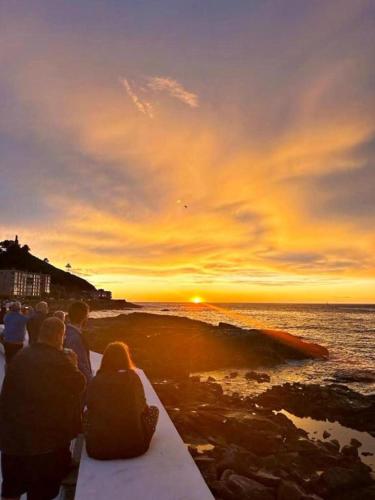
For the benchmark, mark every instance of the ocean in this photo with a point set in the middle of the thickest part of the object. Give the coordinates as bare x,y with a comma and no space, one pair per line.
348,331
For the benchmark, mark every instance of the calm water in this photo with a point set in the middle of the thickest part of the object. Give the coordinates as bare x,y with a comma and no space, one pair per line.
348,331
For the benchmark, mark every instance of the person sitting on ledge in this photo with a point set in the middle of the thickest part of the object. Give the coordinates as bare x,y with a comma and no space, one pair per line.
40,413
36,320
14,331
120,424
74,340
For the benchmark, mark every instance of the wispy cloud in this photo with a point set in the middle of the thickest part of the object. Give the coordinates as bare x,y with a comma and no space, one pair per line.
142,105
173,88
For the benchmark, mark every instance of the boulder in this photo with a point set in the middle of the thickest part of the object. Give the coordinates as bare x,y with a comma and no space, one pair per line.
339,479
264,477
289,490
335,402
248,489
349,451
354,442
326,434
258,377
237,459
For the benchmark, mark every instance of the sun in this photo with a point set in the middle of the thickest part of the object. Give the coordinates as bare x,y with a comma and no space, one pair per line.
196,300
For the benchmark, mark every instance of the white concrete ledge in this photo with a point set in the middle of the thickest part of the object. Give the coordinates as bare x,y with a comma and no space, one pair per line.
165,472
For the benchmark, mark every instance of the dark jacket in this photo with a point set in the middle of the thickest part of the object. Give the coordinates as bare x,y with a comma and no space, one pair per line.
40,401
34,324
115,404
74,340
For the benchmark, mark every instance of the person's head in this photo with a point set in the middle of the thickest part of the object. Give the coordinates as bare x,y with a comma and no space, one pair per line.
116,357
60,315
78,313
52,333
15,306
42,307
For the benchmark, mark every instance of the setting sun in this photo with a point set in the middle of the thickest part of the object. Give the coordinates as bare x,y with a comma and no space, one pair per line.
196,300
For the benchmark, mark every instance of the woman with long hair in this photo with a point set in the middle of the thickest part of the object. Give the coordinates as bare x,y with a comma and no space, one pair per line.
120,424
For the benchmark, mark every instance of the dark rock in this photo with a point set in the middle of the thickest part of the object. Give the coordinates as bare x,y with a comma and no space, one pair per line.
362,376
233,374
349,451
354,442
289,491
193,450
326,434
338,479
270,462
367,454
335,402
248,489
226,474
237,459
172,346
366,493
335,443
264,477
258,377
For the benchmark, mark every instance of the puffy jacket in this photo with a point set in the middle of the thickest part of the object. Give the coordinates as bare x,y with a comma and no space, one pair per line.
40,401
115,404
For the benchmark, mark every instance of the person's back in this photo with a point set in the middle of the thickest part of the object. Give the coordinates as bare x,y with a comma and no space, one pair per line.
37,398
119,422
14,327
78,314
40,412
14,331
115,403
35,322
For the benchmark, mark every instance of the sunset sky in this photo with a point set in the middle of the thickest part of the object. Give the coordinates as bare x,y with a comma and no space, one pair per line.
168,149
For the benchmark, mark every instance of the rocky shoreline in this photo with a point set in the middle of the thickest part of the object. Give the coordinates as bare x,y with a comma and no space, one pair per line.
243,446
249,451
170,346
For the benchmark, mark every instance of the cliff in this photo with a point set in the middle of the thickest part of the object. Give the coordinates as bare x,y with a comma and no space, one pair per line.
14,256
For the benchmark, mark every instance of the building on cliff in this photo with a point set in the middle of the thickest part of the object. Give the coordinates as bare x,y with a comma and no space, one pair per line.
34,277
19,283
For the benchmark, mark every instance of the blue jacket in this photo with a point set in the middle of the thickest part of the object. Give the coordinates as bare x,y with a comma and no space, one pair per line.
75,342
15,327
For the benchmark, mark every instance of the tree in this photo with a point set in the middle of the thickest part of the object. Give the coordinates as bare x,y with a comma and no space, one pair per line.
6,244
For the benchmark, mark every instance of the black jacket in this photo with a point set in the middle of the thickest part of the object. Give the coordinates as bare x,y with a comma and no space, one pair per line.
115,404
34,324
40,401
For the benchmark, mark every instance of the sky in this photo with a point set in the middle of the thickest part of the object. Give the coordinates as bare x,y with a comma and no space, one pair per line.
169,149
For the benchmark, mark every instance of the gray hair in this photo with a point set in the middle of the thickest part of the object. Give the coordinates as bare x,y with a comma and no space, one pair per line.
42,307
15,306
60,314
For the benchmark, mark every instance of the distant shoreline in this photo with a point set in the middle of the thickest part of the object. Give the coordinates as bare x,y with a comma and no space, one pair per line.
94,304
